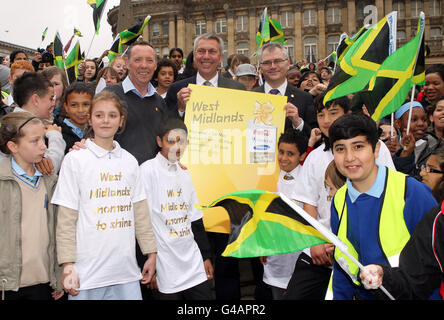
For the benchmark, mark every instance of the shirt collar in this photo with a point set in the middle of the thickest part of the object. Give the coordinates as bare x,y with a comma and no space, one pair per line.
282,88
77,131
99,152
128,85
376,189
167,164
293,173
214,80
16,167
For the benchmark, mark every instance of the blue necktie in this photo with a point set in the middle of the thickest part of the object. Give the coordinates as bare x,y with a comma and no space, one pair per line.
274,91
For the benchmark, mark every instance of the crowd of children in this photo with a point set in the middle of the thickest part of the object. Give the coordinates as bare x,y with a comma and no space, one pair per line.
370,183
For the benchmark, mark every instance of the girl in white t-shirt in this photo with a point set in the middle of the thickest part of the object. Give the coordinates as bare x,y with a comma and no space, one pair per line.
102,210
183,263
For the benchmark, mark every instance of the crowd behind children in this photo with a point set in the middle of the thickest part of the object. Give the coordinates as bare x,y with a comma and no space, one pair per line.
83,218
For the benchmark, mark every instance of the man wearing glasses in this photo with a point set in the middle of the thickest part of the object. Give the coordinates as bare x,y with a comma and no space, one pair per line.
208,55
274,63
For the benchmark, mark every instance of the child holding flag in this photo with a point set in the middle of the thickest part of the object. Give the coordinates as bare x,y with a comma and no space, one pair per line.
377,209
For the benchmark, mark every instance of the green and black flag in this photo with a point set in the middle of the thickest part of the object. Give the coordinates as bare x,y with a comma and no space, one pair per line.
58,52
115,50
72,62
262,224
363,58
129,36
44,33
269,31
98,6
389,88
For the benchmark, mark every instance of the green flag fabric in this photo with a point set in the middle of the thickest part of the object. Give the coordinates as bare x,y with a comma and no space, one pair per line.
58,52
98,6
129,36
269,31
72,62
44,33
389,88
115,50
262,224
363,58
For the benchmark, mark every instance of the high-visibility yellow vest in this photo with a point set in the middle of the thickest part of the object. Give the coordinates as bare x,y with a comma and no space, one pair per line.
393,233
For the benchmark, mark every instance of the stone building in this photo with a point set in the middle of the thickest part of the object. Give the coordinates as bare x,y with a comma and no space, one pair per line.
311,27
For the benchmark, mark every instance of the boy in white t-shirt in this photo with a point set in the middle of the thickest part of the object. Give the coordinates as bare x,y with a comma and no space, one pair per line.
183,265
292,146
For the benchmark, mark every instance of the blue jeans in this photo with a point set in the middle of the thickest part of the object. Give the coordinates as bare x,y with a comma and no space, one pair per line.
125,291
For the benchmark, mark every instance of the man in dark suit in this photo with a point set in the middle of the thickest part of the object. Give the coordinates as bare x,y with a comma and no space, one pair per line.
274,63
208,54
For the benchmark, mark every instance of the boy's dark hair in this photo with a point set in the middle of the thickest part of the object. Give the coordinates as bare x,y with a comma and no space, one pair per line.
165,63
343,102
293,136
352,125
27,85
79,87
171,124
14,53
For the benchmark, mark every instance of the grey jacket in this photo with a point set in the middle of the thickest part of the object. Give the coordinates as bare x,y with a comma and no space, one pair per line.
10,230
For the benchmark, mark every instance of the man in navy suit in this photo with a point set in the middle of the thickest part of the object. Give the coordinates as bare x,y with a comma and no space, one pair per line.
208,55
274,63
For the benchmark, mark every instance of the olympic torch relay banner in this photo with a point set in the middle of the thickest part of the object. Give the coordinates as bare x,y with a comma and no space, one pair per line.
232,146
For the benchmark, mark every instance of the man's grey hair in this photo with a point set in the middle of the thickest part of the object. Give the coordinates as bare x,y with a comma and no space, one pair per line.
210,36
271,46
139,43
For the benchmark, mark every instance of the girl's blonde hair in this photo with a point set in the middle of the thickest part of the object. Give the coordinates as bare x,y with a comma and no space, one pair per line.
11,128
107,95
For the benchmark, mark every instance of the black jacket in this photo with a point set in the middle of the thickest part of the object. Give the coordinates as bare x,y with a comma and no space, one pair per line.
420,270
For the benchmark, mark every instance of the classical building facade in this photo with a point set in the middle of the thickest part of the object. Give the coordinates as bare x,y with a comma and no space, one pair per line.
311,27
6,48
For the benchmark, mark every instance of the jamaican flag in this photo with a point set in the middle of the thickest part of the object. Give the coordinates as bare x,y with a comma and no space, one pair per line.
262,224
388,89
269,31
98,6
77,32
129,36
44,33
345,42
115,50
72,62
363,58
58,52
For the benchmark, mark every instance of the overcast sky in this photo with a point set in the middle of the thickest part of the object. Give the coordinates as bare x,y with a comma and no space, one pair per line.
23,22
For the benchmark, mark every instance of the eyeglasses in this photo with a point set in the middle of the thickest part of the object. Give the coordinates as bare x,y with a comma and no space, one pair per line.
430,170
268,63
211,52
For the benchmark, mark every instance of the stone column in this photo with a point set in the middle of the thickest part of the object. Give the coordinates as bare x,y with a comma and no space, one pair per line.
351,17
172,31
321,30
181,33
380,7
298,43
252,30
209,20
230,33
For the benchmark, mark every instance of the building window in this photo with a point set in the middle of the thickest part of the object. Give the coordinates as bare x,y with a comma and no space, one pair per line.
435,33
310,17
201,27
310,49
221,25
400,35
434,8
165,28
416,8
242,24
157,51
156,30
165,52
332,43
400,7
289,45
333,15
242,48
287,19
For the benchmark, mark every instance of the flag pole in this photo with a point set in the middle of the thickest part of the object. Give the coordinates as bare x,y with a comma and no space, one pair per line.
421,15
328,234
87,53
